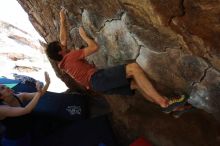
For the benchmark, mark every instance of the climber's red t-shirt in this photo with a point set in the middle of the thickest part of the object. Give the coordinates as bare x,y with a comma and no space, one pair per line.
77,67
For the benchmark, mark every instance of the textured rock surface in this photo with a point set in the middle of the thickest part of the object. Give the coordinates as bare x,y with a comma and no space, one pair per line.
175,41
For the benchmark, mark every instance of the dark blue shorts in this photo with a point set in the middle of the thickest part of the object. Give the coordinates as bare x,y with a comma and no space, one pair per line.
111,81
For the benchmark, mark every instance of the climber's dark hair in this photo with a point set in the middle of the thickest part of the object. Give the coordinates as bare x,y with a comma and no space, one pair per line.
53,50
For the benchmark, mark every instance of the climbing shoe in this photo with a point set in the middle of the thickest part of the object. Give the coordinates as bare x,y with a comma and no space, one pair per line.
186,109
174,103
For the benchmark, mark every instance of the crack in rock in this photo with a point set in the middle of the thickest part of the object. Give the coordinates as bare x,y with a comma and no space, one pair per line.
203,76
110,20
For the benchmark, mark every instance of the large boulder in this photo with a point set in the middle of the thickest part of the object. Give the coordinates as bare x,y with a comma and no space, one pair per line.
176,42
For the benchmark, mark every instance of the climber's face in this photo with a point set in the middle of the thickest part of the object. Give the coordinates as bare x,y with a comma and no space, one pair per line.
63,50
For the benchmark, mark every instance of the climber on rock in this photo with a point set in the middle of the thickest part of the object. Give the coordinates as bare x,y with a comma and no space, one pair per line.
121,79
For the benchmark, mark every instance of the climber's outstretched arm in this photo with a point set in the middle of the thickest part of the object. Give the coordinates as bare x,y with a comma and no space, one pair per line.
63,29
92,45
